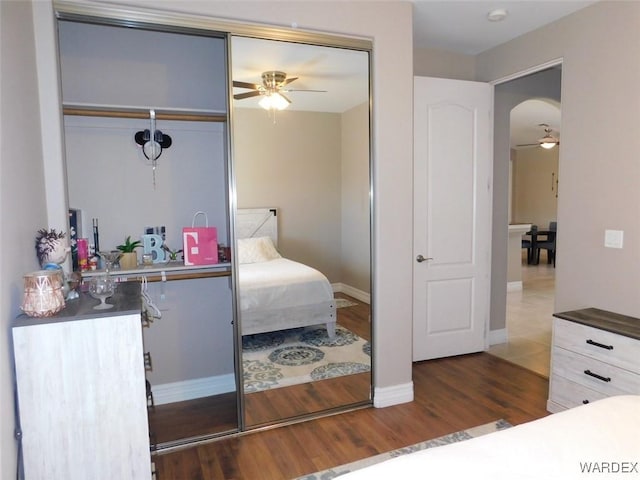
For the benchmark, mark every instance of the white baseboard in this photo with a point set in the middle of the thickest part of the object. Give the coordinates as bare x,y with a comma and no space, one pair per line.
498,336
514,286
364,297
395,395
195,388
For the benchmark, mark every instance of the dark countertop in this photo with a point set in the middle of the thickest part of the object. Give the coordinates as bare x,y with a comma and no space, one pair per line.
604,320
126,301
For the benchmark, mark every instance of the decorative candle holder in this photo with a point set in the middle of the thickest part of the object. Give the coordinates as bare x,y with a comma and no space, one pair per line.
43,295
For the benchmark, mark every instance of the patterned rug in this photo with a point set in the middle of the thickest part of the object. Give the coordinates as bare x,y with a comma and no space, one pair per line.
437,442
301,355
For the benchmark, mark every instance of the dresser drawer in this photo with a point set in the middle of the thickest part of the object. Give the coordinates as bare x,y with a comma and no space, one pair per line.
609,347
593,373
570,394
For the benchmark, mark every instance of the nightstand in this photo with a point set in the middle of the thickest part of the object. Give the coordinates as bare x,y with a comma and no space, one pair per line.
595,354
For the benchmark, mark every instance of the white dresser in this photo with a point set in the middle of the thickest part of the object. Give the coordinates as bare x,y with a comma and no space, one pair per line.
595,354
81,391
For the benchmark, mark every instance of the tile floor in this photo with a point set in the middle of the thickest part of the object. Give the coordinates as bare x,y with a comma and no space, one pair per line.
529,315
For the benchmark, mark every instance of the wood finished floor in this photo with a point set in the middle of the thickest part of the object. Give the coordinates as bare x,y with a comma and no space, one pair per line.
451,394
217,414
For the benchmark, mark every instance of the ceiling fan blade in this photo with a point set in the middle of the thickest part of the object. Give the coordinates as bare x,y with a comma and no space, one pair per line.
283,96
302,90
252,86
289,80
528,145
241,96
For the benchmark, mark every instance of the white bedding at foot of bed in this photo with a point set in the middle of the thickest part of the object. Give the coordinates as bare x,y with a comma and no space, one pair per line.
603,436
281,283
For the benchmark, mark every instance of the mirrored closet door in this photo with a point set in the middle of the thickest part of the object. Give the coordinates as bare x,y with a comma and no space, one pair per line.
301,159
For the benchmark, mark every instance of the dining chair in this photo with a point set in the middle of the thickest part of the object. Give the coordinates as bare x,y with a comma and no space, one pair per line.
528,243
549,245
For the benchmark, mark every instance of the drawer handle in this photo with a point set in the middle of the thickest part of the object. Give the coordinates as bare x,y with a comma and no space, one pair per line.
601,345
595,375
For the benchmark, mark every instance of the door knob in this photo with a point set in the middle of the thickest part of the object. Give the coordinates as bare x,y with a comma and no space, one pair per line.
421,259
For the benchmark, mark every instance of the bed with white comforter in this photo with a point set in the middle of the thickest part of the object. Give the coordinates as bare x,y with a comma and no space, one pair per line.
276,293
600,440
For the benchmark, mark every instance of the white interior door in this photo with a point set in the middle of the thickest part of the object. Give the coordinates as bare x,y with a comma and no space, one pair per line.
453,127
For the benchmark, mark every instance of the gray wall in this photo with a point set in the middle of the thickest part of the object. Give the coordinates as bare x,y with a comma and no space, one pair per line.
356,218
22,194
313,167
600,186
534,180
293,165
430,62
599,168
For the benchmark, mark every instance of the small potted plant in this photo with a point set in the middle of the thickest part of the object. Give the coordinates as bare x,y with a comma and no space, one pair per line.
129,258
172,255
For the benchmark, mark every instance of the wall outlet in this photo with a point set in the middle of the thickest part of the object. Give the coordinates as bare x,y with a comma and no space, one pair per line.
613,238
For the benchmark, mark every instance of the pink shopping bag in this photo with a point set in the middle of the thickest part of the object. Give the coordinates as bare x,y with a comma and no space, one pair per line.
200,244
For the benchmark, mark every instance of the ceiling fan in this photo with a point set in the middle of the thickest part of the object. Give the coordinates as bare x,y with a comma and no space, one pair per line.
548,141
273,87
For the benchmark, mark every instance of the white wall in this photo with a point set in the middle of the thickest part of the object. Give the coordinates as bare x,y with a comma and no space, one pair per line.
22,196
599,166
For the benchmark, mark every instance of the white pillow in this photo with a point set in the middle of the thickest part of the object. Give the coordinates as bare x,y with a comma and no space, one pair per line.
254,250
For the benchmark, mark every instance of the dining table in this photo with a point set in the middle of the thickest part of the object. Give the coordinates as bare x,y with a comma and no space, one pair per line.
535,235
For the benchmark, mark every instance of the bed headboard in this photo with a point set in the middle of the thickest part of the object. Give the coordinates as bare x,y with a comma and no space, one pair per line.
257,222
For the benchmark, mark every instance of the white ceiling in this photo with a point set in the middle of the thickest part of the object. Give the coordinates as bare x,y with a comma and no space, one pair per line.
462,26
342,74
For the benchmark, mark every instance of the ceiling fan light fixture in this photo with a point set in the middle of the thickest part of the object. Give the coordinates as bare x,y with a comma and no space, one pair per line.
548,141
274,101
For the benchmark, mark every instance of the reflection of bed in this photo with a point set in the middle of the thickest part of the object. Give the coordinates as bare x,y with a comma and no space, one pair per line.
601,438
277,293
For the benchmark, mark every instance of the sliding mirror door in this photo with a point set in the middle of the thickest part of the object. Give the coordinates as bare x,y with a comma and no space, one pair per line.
301,155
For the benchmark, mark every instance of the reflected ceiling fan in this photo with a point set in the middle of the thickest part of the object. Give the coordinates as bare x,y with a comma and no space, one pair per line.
548,141
273,87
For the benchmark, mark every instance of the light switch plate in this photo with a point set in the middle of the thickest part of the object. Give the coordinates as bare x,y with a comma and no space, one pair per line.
613,238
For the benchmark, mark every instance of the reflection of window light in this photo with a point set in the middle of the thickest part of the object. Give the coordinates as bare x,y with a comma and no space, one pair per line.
274,101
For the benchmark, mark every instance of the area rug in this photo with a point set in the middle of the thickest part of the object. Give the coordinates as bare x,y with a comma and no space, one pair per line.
437,442
301,355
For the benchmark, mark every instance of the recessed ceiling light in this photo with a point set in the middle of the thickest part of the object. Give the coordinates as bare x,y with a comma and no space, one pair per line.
497,15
